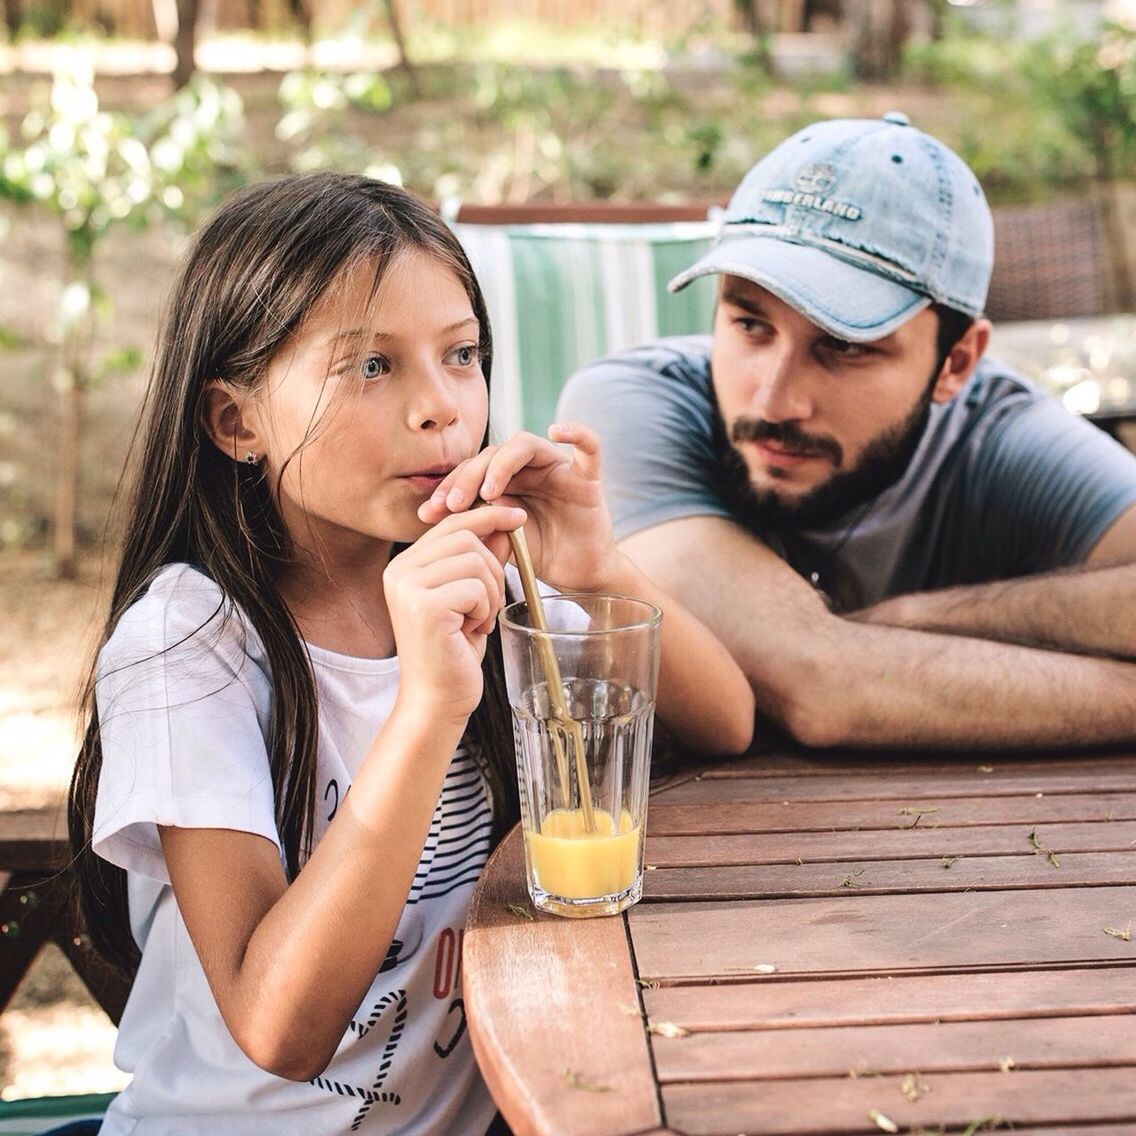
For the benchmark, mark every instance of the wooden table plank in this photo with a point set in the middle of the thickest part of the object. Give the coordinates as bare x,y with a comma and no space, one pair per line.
868,764
891,877
545,999
842,1106
865,933
914,787
773,1004
908,843
976,1046
833,816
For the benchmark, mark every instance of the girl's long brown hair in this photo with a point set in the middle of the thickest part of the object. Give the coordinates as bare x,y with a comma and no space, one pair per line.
252,274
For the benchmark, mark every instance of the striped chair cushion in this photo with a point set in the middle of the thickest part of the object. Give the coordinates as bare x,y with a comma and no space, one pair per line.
561,295
38,1115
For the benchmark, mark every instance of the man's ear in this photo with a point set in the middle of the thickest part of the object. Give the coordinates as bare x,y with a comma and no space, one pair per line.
228,419
961,360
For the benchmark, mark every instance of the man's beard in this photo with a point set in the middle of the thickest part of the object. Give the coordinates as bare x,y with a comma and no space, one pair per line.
883,462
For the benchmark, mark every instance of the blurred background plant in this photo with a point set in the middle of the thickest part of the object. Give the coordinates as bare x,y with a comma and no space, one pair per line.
652,105
92,170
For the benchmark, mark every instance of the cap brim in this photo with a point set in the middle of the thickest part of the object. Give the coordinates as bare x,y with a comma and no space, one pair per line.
846,300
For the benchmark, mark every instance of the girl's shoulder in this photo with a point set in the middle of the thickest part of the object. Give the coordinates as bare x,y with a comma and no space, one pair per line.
182,610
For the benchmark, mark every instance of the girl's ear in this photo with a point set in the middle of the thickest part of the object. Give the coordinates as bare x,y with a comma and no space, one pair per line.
961,361
228,418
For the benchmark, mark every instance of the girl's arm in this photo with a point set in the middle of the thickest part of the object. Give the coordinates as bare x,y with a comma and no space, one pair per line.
289,964
704,699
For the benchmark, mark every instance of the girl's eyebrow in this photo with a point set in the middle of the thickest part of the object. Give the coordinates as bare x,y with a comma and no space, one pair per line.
356,334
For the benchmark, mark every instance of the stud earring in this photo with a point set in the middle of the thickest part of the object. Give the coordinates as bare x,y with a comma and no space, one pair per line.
252,458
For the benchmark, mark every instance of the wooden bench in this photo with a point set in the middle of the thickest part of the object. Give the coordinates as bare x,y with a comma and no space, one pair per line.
37,907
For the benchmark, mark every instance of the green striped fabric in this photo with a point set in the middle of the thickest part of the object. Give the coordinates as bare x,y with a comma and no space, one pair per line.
40,1114
561,295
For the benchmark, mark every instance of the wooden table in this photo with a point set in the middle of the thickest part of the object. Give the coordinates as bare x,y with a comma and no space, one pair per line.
832,945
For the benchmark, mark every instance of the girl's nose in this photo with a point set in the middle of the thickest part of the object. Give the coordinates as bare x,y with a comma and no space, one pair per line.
435,406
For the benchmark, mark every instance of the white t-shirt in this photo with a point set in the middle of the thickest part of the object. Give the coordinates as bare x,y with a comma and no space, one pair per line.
184,707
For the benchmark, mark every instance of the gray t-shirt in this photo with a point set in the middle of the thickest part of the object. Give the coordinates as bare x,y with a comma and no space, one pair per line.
1005,481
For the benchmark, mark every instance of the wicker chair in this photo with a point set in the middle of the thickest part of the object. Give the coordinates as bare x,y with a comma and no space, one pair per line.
1050,262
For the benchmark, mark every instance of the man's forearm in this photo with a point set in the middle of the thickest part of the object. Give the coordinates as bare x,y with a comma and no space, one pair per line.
1085,610
861,685
831,681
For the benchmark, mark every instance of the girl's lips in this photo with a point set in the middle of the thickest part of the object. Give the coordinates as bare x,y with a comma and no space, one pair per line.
427,480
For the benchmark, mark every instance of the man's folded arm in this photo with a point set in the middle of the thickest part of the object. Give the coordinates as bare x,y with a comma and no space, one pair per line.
832,681
1084,610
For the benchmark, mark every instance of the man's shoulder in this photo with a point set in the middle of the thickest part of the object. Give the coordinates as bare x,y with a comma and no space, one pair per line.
681,357
673,369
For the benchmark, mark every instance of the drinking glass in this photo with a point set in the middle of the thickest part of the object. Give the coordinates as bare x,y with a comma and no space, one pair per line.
582,694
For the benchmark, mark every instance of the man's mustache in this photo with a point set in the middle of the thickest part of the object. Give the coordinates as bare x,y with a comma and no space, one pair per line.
789,435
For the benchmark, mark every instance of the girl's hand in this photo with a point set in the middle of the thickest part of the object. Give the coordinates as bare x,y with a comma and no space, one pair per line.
444,593
568,529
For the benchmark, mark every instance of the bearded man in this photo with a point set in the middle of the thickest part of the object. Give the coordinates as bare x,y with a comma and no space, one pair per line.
903,542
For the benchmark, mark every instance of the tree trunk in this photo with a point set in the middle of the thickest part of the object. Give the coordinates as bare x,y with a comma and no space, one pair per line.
877,30
185,42
13,18
394,17
71,382
1121,289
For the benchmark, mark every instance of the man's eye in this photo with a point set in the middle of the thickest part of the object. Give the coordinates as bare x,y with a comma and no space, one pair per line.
374,366
845,349
748,324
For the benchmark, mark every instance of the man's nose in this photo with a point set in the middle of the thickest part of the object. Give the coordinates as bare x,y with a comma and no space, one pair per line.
781,391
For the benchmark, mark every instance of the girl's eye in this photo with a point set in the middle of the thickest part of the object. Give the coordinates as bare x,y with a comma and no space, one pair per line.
463,356
375,366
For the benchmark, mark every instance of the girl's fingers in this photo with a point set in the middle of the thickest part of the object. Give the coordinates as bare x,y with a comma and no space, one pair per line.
488,474
585,442
465,566
458,490
482,523
520,452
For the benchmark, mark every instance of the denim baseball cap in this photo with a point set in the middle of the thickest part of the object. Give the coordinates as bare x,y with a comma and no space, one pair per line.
858,224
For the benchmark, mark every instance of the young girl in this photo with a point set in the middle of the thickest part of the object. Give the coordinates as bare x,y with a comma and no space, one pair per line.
298,750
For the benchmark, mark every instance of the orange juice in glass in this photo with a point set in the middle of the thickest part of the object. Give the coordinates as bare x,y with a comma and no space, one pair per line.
583,755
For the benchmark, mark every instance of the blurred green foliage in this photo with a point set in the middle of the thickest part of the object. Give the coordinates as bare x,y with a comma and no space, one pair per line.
1034,119
93,169
1091,86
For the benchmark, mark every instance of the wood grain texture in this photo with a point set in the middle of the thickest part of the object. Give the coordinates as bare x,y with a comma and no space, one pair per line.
547,1001
882,934
975,1046
891,877
914,786
773,1004
842,1107
666,819
907,843
851,763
